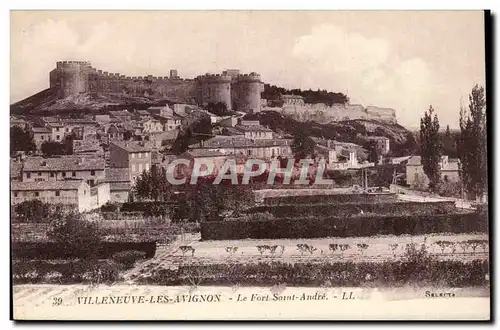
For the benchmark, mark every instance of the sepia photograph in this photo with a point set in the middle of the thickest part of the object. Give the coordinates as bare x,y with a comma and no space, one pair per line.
249,165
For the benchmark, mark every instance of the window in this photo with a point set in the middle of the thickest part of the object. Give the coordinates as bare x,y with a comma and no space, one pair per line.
445,178
42,137
57,129
39,173
90,182
58,137
140,167
147,166
15,194
28,175
58,193
133,167
37,194
249,152
92,172
64,174
52,174
73,174
132,155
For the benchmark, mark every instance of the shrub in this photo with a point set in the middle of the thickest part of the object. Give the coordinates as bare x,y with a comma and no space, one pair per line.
65,271
77,235
414,271
109,207
32,211
128,258
334,226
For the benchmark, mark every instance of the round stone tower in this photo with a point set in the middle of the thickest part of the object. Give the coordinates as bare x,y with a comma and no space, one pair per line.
247,92
214,89
70,77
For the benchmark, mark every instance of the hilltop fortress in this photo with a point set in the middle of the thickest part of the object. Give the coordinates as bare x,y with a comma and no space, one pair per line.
241,92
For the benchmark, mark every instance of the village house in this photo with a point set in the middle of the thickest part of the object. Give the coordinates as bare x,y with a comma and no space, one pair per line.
19,122
160,111
416,177
57,131
292,99
235,145
81,127
255,132
70,192
41,135
15,169
152,126
119,184
382,144
203,156
40,169
142,115
134,155
115,132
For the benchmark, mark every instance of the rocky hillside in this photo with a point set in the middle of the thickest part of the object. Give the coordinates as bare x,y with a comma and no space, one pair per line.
47,101
354,131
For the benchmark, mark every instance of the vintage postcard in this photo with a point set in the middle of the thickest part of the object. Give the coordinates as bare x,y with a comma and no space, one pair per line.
249,165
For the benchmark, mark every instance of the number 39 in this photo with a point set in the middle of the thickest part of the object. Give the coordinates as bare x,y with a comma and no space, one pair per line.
56,301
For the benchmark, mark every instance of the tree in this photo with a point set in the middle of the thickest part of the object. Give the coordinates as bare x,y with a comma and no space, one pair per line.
472,146
127,135
449,143
182,142
373,154
430,147
153,184
33,211
21,140
68,143
410,146
52,148
302,145
77,235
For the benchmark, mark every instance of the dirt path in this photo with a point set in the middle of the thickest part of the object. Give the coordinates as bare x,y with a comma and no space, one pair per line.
378,249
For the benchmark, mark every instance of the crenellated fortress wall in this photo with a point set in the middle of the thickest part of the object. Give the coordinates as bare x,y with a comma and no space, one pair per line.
238,91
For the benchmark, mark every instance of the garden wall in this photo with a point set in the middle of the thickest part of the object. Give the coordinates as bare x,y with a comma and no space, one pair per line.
332,199
312,227
348,209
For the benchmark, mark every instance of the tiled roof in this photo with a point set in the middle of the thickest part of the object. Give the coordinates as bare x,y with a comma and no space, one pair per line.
253,128
41,130
55,124
132,146
203,153
117,174
114,186
64,163
79,121
143,113
415,161
120,113
47,185
221,141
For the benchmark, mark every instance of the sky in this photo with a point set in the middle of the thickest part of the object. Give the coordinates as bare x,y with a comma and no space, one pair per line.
406,60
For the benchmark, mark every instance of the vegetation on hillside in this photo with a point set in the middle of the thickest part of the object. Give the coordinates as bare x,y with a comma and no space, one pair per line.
273,94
